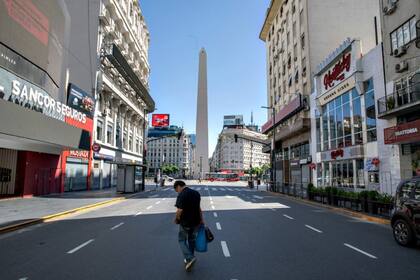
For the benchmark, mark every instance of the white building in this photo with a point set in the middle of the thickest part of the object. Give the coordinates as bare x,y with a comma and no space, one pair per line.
239,155
347,137
168,151
123,99
298,35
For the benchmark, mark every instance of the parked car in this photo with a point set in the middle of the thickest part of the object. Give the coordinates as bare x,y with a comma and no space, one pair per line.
167,178
405,220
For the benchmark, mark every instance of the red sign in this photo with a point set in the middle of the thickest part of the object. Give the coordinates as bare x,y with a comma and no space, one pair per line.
25,13
337,153
96,147
284,113
406,132
160,120
337,72
79,154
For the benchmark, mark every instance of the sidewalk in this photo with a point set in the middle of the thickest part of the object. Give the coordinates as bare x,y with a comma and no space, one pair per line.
20,211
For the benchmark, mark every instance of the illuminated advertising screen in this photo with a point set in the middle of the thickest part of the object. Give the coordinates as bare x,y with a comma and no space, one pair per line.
160,120
36,29
80,100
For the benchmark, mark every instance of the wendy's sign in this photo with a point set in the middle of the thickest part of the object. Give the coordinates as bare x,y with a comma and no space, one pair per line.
338,72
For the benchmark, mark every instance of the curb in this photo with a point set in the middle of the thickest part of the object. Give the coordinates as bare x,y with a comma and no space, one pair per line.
338,210
44,219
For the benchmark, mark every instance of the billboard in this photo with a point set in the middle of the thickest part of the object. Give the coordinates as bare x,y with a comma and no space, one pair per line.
160,120
233,120
80,100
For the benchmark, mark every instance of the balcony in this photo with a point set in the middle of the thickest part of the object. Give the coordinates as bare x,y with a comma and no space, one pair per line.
400,102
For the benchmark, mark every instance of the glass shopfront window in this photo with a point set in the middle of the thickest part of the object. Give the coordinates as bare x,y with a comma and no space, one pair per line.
340,121
370,111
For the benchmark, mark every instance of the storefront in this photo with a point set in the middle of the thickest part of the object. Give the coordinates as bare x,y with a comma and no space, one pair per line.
292,150
36,127
407,136
344,124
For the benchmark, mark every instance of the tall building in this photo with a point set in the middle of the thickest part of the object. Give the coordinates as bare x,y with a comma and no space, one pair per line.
202,130
399,105
240,154
173,150
123,99
299,34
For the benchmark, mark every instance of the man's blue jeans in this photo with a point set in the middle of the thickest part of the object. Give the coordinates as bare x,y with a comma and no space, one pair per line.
186,239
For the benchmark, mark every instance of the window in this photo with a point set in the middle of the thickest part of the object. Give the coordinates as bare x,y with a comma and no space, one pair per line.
99,130
407,190
403,34
130,142
125,140
370,111
302,41
109,133
357,120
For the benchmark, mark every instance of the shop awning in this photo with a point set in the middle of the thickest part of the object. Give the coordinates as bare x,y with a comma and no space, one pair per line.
120,63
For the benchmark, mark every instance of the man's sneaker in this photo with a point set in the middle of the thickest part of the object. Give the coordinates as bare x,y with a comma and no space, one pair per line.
189,264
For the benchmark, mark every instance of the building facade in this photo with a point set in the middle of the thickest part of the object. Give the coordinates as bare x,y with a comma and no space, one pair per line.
296,39
123,99
400,102
44,129
346,140
168,146
240,154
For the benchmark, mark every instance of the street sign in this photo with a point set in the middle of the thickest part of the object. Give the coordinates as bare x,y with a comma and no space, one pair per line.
96,147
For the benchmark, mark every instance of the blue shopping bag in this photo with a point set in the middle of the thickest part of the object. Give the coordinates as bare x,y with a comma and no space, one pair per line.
201,239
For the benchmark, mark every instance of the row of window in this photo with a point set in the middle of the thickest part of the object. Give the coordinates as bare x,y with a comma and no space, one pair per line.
108,137
403,34
340,123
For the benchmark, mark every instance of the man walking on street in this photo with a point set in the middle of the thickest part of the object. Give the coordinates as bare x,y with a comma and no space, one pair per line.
189,217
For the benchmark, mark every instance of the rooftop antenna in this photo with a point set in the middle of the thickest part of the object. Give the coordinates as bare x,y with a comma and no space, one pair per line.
252,118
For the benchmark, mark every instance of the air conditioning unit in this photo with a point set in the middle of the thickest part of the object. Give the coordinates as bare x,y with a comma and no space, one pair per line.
401,67
400,51
390,8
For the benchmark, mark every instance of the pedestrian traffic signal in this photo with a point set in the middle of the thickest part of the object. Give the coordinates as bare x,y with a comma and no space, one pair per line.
236,138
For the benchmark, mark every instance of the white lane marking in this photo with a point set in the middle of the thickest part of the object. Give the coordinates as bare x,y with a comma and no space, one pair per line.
287,216
257,196
80,246
225,249
163,199
223,189
360,251
314,229
157,202
117,226
153,196
212,207
218,226
139,213
148,207
198,189
213,189
215,214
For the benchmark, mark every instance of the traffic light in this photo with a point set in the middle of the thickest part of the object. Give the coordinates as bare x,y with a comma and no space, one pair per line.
236,138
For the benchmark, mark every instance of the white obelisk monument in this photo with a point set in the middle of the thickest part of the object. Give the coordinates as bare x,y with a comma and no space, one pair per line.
202,127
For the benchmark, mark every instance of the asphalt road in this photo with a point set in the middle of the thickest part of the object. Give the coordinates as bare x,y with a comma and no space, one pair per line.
257,236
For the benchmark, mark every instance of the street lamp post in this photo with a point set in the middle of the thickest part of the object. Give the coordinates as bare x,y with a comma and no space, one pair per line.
273,147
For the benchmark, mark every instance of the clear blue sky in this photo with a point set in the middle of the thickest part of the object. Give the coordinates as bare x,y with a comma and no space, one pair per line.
228,30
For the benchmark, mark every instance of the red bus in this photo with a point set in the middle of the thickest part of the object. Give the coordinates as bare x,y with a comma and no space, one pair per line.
219,176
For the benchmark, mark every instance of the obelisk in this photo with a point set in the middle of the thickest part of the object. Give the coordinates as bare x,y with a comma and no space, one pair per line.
202,128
